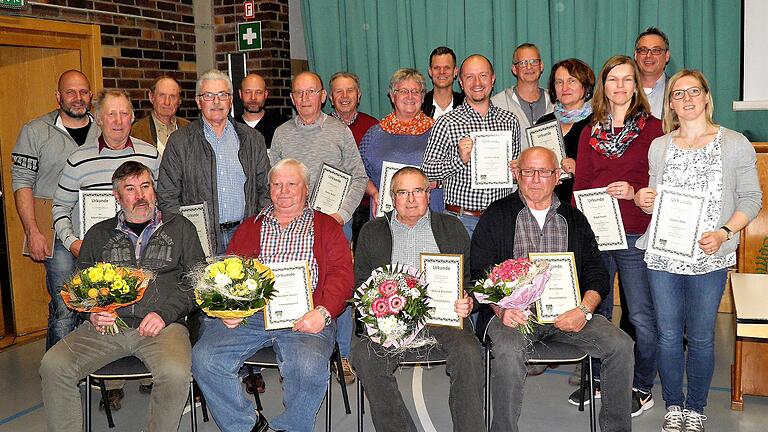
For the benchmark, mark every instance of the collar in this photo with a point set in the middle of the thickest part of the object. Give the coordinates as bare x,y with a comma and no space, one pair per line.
157,121
103,144
316,124
424,220
552,207
268,214
337,116
207,128
60,124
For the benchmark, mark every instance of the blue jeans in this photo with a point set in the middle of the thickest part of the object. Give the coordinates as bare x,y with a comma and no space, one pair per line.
686,304
303,359
58,269
633,273
470,222
224,237
345,326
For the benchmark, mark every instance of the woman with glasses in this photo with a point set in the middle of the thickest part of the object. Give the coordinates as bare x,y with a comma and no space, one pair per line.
698,155
400,137
571,85
613,154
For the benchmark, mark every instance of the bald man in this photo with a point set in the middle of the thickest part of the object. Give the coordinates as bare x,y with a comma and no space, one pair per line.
38,159
253,93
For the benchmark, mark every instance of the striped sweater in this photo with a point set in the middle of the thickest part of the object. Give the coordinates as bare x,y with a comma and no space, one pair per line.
87,168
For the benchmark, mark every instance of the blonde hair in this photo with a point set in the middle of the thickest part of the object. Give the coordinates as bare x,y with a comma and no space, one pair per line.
600,106
671,121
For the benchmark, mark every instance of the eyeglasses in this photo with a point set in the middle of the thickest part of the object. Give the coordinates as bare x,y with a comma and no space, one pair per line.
222,96
529,62
416,193
543,173
692,92
655,51
405,92
308,92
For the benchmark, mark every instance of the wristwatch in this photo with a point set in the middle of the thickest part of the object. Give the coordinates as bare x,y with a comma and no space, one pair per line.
326,315
728,233
587,313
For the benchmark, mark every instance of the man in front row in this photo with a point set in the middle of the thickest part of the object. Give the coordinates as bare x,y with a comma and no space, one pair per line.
534,220
400,237
287,230
169,247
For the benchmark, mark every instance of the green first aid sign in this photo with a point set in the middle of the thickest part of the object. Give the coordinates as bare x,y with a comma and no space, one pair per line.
12,4
249,35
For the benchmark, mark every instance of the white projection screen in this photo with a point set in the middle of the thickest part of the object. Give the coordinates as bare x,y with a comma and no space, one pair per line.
754,59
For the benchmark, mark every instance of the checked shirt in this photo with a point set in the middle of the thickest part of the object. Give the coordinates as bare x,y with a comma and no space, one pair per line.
442,161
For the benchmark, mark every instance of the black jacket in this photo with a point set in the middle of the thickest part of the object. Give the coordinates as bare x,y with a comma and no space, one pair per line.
267,125
429,108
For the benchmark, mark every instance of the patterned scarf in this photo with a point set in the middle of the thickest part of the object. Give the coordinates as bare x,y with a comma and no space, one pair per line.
572,116
417,126
610,145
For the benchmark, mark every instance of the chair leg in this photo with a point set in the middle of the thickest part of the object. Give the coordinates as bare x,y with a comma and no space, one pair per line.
252,379
88,398
487,388
583,386
192,407
203,405
107,407
328,401
592,422
336,358
360,405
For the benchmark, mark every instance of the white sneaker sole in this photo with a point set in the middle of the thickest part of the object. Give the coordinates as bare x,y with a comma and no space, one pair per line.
645,407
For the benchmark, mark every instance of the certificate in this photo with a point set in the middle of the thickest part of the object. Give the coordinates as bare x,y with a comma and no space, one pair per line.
293,295
330,190
602,212
445,277
94,207
677,223
44,218
489,160
549,135
198,215
388,169
561,293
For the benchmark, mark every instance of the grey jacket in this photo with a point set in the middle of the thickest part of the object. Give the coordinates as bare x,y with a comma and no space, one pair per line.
507,100
741,187
41,152
188,172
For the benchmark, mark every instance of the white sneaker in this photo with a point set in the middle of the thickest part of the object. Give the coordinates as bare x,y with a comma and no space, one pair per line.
694,422
674,420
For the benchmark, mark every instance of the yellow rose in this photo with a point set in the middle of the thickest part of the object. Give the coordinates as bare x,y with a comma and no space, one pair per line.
265,271
109,275
77,281
235,269
93,293
216,268
104,292
95,274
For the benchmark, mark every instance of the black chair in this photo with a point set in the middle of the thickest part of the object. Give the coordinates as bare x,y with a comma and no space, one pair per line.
411,358
266,358
546,354
129,367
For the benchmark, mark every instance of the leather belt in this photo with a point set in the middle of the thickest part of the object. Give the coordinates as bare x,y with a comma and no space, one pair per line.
463,211
229,225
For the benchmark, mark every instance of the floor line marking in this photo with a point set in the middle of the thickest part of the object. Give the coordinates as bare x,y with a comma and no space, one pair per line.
418,400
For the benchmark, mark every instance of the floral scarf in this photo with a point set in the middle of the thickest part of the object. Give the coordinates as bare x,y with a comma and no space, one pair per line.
610,145
572,116
420,124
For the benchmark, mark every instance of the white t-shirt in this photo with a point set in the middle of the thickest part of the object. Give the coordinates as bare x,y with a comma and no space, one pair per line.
540,215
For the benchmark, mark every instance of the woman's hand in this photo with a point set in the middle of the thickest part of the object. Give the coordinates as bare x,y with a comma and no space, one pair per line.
645,198
621,190
711,240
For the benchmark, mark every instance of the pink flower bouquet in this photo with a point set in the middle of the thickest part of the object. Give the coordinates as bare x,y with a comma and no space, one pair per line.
514,284
393,305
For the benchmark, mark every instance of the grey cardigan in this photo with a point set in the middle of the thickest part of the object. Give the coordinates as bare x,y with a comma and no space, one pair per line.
741,187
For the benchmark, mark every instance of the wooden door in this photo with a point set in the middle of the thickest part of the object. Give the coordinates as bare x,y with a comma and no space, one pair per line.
33,53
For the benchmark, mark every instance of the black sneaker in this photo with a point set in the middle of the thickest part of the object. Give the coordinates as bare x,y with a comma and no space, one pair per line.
575,397
641,401
146,388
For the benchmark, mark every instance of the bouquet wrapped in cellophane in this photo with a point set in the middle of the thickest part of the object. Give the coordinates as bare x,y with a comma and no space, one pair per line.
233,287
104,287
514,284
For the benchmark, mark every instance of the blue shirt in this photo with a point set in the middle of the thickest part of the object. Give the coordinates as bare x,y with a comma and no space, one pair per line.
230,177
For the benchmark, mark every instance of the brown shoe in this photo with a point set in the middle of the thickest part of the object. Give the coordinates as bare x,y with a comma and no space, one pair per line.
261,386
114,397
348,373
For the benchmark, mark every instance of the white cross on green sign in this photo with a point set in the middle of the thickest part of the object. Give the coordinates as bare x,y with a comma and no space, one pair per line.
249,35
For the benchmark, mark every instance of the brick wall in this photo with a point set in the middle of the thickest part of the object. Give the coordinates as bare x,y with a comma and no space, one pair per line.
273,61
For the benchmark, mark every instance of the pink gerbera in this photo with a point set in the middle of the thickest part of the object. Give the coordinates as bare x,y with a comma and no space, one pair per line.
380,307
388,287
396,303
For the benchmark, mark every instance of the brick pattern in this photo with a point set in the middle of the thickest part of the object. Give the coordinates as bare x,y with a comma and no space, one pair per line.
273,61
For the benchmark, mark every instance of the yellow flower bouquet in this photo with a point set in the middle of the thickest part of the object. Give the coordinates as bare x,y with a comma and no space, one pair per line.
234,287
105,287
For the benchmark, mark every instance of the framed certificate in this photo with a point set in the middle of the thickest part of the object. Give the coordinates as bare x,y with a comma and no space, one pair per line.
561,292
549,135
94,207
293,295
388,169
602,212
330,190
445,276
198,215
489,160
677,223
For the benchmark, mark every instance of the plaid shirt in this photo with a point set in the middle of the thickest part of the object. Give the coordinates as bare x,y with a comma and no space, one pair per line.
408,243
230,178
140,241
529,238
442,161
292,243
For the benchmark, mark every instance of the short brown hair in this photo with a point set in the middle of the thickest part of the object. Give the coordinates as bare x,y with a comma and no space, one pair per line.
577,69
405,171
130,169
600,107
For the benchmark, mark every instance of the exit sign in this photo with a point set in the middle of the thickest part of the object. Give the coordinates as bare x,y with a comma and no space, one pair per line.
12,4
249,35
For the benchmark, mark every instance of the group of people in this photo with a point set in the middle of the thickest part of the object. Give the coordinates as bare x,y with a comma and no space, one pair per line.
629,129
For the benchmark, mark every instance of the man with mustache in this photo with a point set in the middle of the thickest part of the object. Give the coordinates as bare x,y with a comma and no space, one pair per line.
526,100
443,71
38,159
143,237
652,57
253,92
165,96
